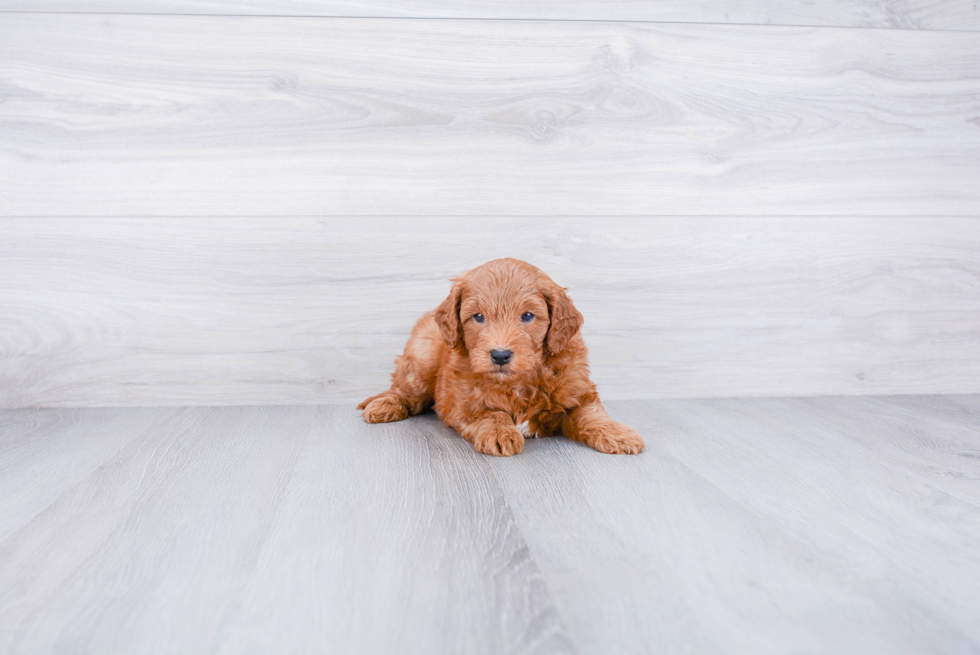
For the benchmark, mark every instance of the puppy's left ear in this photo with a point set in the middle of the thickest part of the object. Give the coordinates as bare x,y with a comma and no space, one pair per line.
565,320
447,316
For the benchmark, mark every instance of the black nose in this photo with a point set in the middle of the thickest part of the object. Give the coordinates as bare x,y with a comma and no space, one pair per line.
500,357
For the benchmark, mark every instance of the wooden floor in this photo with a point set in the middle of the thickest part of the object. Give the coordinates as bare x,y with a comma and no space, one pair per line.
838,525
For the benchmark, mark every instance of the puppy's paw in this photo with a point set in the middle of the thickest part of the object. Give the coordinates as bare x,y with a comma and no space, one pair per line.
383,409
500,440
616,439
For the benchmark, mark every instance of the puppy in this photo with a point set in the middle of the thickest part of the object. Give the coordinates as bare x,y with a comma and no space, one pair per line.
502,359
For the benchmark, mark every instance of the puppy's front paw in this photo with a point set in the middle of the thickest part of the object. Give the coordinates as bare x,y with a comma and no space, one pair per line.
500,440
383,409
616,439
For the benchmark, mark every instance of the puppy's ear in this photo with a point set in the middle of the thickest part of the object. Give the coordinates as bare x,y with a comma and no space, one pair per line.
565,319
447,316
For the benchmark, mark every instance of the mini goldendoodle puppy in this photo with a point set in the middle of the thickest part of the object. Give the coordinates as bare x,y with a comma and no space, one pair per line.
502,359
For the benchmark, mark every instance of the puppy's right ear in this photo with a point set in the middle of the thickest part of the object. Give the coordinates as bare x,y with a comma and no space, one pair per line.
447,316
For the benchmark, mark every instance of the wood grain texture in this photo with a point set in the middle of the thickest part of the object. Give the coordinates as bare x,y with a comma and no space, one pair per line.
759,526
97,312
271,530
908,14
830,525
43,455
224,116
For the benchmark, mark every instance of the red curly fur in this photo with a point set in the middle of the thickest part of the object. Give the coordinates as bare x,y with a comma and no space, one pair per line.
545,387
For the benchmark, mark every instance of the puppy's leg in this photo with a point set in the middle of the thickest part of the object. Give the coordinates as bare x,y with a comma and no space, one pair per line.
494,434
591,425
413,382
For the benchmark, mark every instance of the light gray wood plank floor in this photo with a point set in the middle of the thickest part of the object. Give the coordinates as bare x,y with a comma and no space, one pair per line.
748,526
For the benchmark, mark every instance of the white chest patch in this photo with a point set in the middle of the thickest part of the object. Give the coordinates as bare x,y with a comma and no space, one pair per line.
526,430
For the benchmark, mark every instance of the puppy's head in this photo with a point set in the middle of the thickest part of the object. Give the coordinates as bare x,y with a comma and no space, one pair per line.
508,317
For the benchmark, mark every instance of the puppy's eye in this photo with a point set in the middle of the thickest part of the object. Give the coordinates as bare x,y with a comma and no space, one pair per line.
527,317
478,318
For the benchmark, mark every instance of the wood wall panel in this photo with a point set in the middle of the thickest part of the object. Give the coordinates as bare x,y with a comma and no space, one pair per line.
908,14
222,116
259,311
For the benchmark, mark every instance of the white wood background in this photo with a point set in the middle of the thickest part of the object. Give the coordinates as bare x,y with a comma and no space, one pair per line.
253,210
230,116
188,311
898,14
